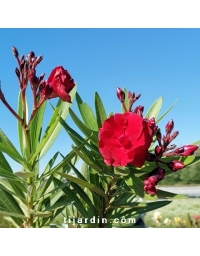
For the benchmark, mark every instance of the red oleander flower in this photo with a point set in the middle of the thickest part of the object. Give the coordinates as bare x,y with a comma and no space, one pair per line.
59,84
125,139
152,180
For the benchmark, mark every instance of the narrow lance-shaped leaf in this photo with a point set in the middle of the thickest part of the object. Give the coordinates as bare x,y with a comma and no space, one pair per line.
36,127
63,111
77,203
20,129
100,111
85,130
166,112
4,163
7,147
155,108
83,183
86,114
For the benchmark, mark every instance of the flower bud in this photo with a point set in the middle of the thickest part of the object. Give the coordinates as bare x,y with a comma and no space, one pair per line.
17,72
158,135
41,77
38,60
21,58
152,180
15,52
138,110
151,123
169,127
137,96
120,94
174,135
186,150
158,151
175,165
131,96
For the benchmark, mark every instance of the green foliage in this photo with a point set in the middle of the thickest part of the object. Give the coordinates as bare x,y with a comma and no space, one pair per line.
108,193
35,198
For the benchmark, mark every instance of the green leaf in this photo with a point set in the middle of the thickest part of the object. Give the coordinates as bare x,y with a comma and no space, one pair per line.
59,205
54,127
126,102
85,197
86,113
149,207
100,111
49,131
166,112
91,162
155,108
136,185
9,191
8,175
83,183
65,161
41,214
4,163
72,196
168,195
20,130
50,163
85,130
7,147
36,127
25,175
12,214
9,204
121,172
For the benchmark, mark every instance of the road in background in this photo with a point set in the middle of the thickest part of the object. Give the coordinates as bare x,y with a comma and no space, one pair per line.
191,191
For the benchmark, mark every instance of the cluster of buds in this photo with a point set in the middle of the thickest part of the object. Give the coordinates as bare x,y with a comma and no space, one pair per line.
58,84
131,98
164,149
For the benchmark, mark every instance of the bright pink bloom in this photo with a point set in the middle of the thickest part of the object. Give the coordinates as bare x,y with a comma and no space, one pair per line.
125,139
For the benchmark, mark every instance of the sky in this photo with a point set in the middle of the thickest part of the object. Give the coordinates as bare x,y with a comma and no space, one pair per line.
153,62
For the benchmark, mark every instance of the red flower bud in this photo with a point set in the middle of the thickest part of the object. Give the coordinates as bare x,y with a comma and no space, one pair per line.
15,52
137,96
158,135
131,96
174,135
158,151
152,180
169,126
186,150
120,94
33,78
151,123
17,72
138,110
175,165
